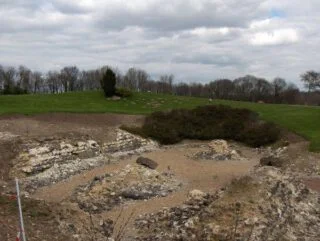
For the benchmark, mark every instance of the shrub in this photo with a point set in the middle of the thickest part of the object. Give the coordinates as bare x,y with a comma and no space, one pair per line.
260,134
123,92
134,130
159,127
108,83
209,122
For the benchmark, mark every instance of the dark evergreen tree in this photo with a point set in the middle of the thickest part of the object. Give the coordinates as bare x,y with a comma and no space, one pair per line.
108,83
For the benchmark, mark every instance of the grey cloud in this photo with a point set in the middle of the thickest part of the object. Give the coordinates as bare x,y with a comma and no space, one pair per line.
195,40
183,15
70,7
209,59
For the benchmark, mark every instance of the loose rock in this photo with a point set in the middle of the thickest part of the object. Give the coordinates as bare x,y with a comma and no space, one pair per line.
134,182
283,209
147,162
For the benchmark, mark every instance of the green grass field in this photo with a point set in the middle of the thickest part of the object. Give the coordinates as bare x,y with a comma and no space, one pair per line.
303,120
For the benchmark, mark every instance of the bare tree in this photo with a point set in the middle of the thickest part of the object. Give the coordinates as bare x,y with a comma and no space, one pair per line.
221,88
262,89
196,89
1,78
130,79
243,87
291,94
9,77
279,86
165,84
90,79
69,78
182,89
53,82
142,79
24,81
311,80
37,82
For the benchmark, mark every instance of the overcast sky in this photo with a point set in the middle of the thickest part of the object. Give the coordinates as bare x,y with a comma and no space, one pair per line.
196,40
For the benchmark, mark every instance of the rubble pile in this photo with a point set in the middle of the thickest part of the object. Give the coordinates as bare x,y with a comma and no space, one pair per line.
218,150
43,157
86,228
128,144
134,182
50,160
282,209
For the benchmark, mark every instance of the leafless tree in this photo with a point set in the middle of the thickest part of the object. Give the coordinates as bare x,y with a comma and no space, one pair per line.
9,77
90,79
291,95
262,89
243,87
1,78
182,89
279,85
311,80
195,89
53,82
166,83
221,88
37,82
24,80
130,79
69,78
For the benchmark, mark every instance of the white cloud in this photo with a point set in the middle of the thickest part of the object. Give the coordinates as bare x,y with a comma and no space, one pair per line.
275,37
258,24
205,32
197,40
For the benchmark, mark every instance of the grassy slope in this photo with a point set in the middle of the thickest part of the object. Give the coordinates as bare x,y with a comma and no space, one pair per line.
300,119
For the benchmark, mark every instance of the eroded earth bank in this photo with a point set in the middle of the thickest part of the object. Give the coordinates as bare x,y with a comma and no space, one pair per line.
81,180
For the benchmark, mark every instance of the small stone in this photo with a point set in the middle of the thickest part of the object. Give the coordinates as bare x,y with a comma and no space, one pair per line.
196,195
147,162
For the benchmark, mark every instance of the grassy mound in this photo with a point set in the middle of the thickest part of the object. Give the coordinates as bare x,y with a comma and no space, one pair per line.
207,123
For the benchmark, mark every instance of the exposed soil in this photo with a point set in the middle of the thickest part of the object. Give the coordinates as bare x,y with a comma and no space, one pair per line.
194,173
8,150
313,183
96,126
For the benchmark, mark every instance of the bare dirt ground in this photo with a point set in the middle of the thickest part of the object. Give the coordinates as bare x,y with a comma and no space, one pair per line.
94,125
97,126
205,175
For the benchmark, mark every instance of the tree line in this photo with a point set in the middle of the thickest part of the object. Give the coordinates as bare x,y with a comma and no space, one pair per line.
22,80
